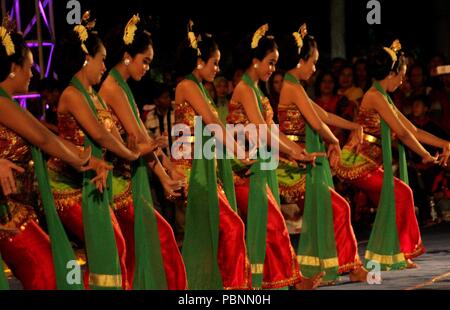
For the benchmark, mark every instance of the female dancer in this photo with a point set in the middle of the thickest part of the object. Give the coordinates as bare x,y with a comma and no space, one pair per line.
321,248
274,263
83,118
395,237
131,57
25,247
214,246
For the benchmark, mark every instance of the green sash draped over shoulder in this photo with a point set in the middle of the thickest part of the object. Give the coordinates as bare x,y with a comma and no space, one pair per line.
201,241
149,271
62,251
257,214
101,248
384,243
317,247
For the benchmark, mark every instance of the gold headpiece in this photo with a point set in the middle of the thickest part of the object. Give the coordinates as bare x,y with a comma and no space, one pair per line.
193,40
393,50
130,29
299,36
83,30
5,36
259,34
85,20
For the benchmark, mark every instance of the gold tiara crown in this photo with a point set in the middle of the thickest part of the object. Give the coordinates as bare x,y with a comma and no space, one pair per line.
5,35
393,50
193,40
82,29
259,34
130,29
299,36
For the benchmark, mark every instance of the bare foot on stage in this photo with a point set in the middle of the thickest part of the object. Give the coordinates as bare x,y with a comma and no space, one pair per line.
311,283
358,275
410,264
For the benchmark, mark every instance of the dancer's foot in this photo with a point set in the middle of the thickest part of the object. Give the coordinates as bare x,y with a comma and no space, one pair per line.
328,283
359,274
410,264
311,283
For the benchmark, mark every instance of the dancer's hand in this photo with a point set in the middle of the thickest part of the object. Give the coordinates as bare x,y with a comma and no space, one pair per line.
304,157
176,173
162,141
85,156
357,139
101,169
428,159
147,147
7,176
172,188
443,158
334,154
133,146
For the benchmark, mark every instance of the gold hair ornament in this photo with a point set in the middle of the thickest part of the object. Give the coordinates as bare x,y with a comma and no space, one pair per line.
299,36
193,40
393,50
130,29
259,34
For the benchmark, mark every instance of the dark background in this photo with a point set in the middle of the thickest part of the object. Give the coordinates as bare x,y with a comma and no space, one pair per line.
421,26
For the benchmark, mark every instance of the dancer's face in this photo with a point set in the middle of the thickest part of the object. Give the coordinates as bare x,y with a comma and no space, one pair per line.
267,66
23,74
140,64
308,67
96,66
397,79
209,70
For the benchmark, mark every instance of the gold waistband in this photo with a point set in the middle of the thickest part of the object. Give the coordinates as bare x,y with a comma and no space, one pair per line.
296,138
371,139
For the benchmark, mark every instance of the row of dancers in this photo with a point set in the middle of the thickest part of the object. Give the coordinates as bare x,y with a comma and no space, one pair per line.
95,186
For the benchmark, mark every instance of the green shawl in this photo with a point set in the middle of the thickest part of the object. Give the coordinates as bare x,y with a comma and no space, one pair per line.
384,244
317,247
101,248
149,271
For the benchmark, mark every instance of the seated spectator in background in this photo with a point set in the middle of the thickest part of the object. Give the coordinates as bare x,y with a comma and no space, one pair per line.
439,109
237,76
326,96
160,117
50,91
211,89
347,87
362,78
336,66
441,196
221,87
422,175
435,61
274,88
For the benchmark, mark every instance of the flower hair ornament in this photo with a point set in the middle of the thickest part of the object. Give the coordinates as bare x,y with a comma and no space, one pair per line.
5,36
393,50
82,29
193,40
259,34
130,29
299,36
